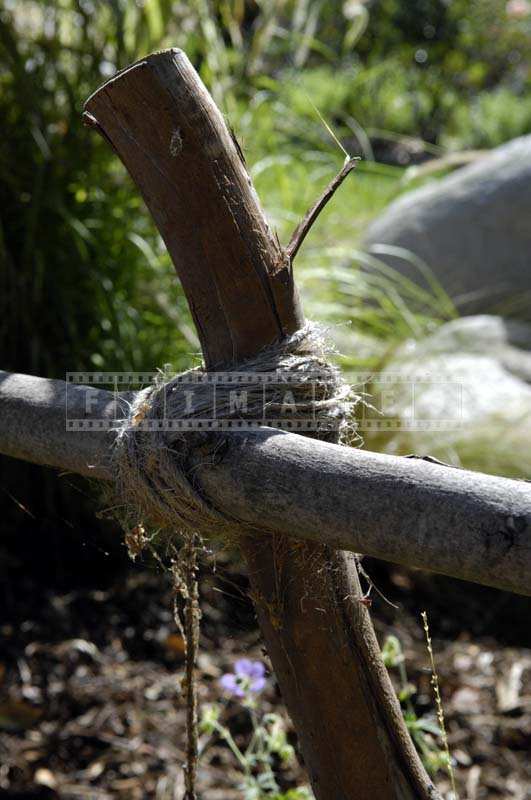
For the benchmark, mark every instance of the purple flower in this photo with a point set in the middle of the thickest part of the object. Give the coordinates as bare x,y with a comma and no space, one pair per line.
229,683
248,676
254,671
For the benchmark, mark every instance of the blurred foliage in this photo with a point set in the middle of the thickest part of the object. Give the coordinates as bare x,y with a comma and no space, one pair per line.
84,274
443,54
75,240
488,120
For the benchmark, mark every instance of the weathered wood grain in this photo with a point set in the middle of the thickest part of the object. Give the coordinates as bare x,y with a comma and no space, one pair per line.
408,511
458,523
33,423
173,140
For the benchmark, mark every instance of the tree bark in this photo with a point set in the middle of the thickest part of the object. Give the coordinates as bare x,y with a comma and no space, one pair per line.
170,135
174,142
409,511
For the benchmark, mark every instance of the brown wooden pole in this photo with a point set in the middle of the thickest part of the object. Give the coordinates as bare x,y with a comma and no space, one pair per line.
166,129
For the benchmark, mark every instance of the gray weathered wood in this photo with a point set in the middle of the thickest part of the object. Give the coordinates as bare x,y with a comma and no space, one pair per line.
459,523
33,423
464,524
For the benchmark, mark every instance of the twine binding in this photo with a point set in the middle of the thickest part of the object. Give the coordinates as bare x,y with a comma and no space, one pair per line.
151,463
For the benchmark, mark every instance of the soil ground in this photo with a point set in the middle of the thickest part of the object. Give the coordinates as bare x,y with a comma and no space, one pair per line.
90,681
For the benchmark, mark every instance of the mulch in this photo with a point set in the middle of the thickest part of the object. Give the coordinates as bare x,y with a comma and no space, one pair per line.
90,683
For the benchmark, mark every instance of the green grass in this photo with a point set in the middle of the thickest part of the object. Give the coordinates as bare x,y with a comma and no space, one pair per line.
340,283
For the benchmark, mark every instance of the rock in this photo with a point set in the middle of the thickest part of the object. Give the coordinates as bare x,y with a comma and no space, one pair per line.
472,229
462,395
508,342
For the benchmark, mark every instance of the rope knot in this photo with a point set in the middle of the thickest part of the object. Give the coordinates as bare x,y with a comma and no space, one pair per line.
290,385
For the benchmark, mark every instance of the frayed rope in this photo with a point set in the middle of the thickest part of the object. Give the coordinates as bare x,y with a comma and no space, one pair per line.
150,460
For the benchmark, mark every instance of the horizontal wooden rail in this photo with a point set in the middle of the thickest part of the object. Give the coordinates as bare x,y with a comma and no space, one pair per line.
459,523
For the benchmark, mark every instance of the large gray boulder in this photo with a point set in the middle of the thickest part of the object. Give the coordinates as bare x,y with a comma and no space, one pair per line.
463,395
472,229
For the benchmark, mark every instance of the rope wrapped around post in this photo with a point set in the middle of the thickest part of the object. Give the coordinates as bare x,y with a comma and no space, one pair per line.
292,381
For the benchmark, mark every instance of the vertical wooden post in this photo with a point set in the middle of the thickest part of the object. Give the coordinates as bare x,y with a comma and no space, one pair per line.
165,127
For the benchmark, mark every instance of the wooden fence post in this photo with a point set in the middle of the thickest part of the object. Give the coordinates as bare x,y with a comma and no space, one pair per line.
167,130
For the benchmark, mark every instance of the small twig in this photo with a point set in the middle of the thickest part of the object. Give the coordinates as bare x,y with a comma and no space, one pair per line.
439,705
90,121
431,460
303,228
192,614
186,584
